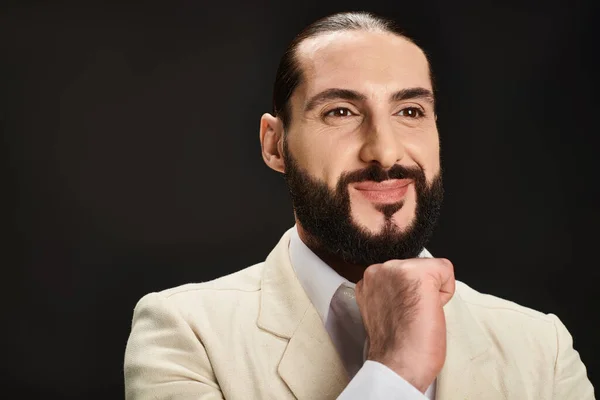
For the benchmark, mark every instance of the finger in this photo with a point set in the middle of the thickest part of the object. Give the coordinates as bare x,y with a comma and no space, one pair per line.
446,280
440,269
359,293
358,288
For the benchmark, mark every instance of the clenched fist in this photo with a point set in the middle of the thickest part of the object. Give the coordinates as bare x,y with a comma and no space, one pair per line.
401,305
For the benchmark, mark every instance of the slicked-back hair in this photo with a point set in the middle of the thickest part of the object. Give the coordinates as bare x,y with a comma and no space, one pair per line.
289,74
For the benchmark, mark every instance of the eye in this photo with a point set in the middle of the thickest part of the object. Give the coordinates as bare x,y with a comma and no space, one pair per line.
411,112
339,112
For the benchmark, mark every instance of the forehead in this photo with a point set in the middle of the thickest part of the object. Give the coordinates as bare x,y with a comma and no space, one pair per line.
373,63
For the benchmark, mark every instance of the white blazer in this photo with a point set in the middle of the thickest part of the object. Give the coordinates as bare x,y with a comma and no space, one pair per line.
254,334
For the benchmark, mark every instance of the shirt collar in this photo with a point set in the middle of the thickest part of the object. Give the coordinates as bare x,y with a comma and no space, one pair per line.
319,280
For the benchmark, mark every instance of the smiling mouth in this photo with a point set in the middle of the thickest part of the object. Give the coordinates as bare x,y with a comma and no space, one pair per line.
389,191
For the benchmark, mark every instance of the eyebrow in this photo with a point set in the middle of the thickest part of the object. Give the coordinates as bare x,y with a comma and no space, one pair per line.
351,95
333,94
413,93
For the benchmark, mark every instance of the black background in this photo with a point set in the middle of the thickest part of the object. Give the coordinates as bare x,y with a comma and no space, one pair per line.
132,163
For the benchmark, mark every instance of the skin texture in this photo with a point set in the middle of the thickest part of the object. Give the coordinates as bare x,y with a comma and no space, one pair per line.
401,303
400,300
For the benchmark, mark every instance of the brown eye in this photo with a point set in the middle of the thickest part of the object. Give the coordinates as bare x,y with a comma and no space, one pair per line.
339,112
411,112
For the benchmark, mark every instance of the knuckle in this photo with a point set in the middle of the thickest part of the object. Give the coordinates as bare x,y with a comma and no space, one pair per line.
448,266
446,262
372,270
368,274
392,263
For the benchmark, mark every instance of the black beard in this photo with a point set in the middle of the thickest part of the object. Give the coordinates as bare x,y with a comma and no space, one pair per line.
325,214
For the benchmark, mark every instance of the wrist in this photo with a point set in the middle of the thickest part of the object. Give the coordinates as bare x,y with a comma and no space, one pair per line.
419,380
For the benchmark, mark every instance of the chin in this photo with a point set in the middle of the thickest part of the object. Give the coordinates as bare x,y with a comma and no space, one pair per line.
403,219
378,222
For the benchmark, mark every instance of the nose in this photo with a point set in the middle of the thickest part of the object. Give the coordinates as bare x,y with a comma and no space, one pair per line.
381,145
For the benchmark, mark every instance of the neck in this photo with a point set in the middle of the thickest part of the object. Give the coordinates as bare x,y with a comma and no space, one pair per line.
352,272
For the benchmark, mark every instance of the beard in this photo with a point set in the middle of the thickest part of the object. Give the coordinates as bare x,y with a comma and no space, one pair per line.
325,214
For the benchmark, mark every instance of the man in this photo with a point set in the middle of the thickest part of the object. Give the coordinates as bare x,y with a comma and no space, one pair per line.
349,304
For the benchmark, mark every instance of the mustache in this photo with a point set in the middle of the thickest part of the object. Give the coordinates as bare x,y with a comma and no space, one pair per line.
376,173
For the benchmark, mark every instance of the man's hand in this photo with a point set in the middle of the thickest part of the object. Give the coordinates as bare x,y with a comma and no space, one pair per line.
401,305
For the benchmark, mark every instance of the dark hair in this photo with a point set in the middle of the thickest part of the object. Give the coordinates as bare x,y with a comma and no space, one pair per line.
289,75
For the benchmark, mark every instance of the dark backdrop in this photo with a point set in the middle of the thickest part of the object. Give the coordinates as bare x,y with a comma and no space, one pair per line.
132,163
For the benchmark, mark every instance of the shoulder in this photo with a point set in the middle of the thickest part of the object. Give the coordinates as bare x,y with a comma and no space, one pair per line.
226,292
506,322
485,303
245,280
492,310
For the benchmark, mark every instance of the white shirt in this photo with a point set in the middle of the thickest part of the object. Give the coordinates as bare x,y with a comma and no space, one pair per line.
373,380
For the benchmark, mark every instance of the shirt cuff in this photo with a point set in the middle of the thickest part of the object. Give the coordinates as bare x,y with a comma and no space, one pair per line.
375,381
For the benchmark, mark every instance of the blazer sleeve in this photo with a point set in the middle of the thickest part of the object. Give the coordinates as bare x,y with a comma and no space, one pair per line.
164,359
570,375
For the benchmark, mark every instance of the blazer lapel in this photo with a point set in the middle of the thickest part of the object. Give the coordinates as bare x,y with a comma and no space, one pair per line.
309,365
471,370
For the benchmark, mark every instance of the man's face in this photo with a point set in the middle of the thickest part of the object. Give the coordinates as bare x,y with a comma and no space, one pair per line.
362,149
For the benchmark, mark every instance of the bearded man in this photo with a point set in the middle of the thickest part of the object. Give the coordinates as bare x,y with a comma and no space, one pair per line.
350,304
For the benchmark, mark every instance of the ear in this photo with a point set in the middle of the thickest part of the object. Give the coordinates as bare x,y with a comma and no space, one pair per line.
271,142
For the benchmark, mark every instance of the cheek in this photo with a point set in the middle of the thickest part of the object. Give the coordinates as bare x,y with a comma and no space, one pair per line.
424,149
322,155
432,168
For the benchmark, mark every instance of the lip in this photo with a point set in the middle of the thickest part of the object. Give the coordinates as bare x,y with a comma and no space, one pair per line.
390,191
